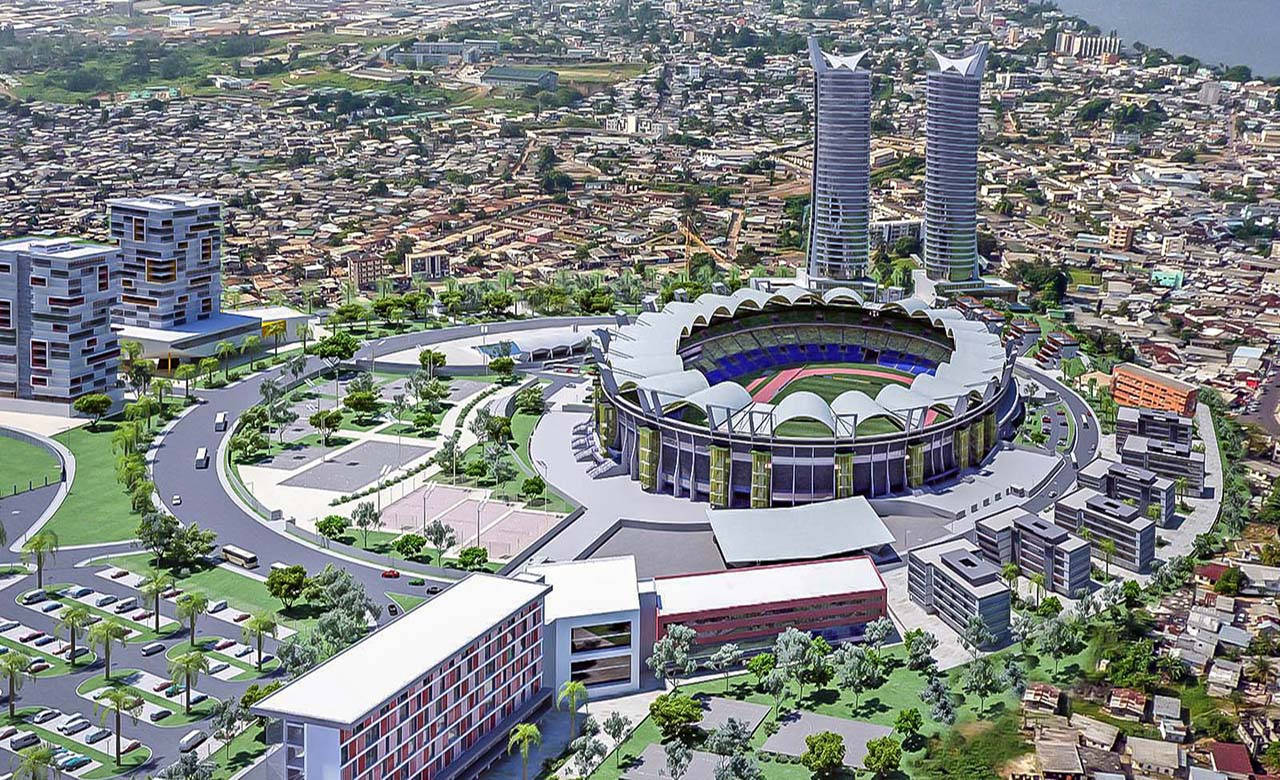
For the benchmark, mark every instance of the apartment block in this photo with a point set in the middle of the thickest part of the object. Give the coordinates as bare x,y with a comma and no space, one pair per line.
1133,385
1154,424
171,259
1036,546
1166,458
1133,533
56,296
431,695
1132,483
955,582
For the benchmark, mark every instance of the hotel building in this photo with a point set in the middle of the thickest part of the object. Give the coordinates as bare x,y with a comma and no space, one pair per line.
56,342
1036,546
953,581
1133,483
1154,424
1133,385
431,695
1127,525
1175,461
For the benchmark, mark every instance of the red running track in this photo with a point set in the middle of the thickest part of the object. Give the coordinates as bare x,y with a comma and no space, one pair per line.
783,378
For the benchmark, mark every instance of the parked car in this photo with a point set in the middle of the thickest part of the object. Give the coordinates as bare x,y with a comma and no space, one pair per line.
96,736
151,648
106,600
76,591
52,606
8,731
172,593
125,604
191,740
37,667
197,697
45,715
218,666
73,726
434,589
392,609
73,763
8,625
34,597
224,644
162,685
141,615
131,746
42,641
177,500
31,636
24,739
217,606
158,716
119,574
242,652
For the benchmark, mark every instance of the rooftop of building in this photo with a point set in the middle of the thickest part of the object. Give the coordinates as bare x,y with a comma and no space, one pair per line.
805,531
169,201
961,557
1152,376
682,594
1136,413
55,246
592,587
353,683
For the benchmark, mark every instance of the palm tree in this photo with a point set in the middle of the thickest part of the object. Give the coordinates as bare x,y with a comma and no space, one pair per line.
1260,668
36,763
524,736
160,387
103,634
154,588
41,547
1010,573
184,374
187,668
124,439
256,626
249,346
224,351
304,334
1037,579
576,693
118,701
190,607
73,620
1108,547
14,665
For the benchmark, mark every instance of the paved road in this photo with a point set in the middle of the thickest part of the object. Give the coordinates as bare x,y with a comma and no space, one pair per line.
1083,450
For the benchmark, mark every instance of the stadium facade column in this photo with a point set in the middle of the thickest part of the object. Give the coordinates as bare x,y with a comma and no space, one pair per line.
650,443
989,426
978,440
606,419
915,465
962,448
844,474
720,463
761,479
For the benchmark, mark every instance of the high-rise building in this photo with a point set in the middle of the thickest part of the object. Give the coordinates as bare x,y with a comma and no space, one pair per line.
171,248
56,296
951,166
840,213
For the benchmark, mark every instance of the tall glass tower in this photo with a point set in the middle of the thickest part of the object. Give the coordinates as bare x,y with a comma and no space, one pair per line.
951,166
840,209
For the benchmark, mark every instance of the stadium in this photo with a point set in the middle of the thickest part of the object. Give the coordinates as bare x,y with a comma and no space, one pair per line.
760,399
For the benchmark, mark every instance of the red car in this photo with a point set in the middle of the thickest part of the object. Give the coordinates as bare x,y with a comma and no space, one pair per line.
391,574
30,636
160,686
243,616
141,616
118,573
37,667
224,644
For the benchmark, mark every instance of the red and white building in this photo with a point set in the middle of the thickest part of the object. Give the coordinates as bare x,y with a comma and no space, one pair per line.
834,599
429,696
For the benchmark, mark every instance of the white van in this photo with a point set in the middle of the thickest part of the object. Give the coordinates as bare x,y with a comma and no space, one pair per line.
202,458
220,422
24,739
191,741
217,605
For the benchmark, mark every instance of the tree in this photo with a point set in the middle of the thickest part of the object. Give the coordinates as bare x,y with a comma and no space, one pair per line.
363,403
1230,582
207,367
40,547
94,405
249,345
441,537
332,527
976,635
226,720
857,670
774,685
1014,677
473,558
823,753
118,702
908,724
530,401
14,665
1108,547
184,374
524,737
877,631
189,766
678,757
760,666
504,367
575,693
723,659
287,584
37,762
920,646
1058,639
326,423
73,619
670,658
815,669
224,350
1010,573
532,487
675,714
192,605
257,626
616,726
430,360
409,545
186,669
884,755
981,680
153,589
103,634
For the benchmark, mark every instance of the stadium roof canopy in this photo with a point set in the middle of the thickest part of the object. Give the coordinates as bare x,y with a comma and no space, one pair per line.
801,532
644,356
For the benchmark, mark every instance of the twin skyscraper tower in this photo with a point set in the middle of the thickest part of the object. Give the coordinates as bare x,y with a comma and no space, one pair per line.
840,211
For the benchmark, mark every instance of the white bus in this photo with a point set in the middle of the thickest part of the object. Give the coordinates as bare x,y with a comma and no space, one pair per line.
202,458
220,422
239,556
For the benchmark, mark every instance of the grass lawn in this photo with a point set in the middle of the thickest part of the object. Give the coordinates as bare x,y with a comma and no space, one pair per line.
57,665
248,671
275,448
601,73
128,762
96,509
1084,276
25,465
240,752
243,594
147,628
405,600
179,717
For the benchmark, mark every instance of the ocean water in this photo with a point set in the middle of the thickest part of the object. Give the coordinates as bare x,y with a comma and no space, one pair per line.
1230,32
